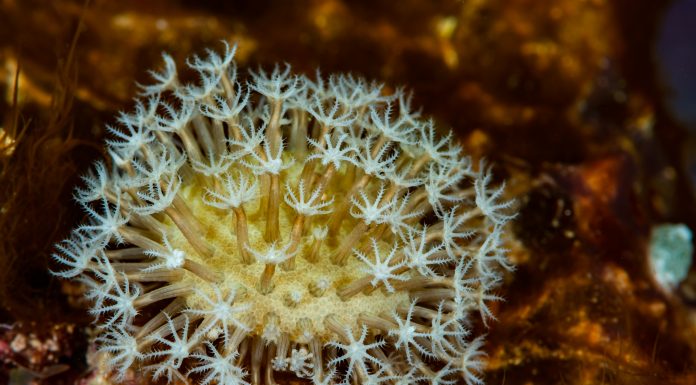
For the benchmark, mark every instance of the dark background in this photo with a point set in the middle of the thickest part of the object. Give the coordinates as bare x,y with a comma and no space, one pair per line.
584,107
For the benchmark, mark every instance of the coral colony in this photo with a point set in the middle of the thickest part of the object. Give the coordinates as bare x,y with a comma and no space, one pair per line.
284,226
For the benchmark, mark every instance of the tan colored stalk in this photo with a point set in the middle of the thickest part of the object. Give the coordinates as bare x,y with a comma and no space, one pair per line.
434,295
423,368
203,132
202,271
272,213
381,141
265,184
325,177
180,205
268,373
128,268
283,345
148,222
418,165
242,351
332,323
238,337
136,237
163,330
188,225
295,238
307,172
265,284
376,322
376,232
354,287
227,86
342,208
160,319
418,198
364,283
190,143
421,281
242,234
389,369
170,291
315,346
125,254
218,137
257,349
339,256
273,131
298,134
349,176
418,311
313,255
129,169
156,276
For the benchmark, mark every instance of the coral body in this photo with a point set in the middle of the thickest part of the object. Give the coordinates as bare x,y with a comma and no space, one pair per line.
314,227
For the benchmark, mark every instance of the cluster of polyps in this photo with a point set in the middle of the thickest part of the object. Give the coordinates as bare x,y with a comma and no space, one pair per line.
317,228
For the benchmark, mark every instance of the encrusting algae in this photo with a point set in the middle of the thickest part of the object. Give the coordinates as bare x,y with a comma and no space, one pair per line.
314,227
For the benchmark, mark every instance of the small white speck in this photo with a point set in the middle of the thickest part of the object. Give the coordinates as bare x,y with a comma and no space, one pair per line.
162,24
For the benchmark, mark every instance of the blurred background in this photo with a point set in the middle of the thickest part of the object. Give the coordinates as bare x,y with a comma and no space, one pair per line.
587,108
